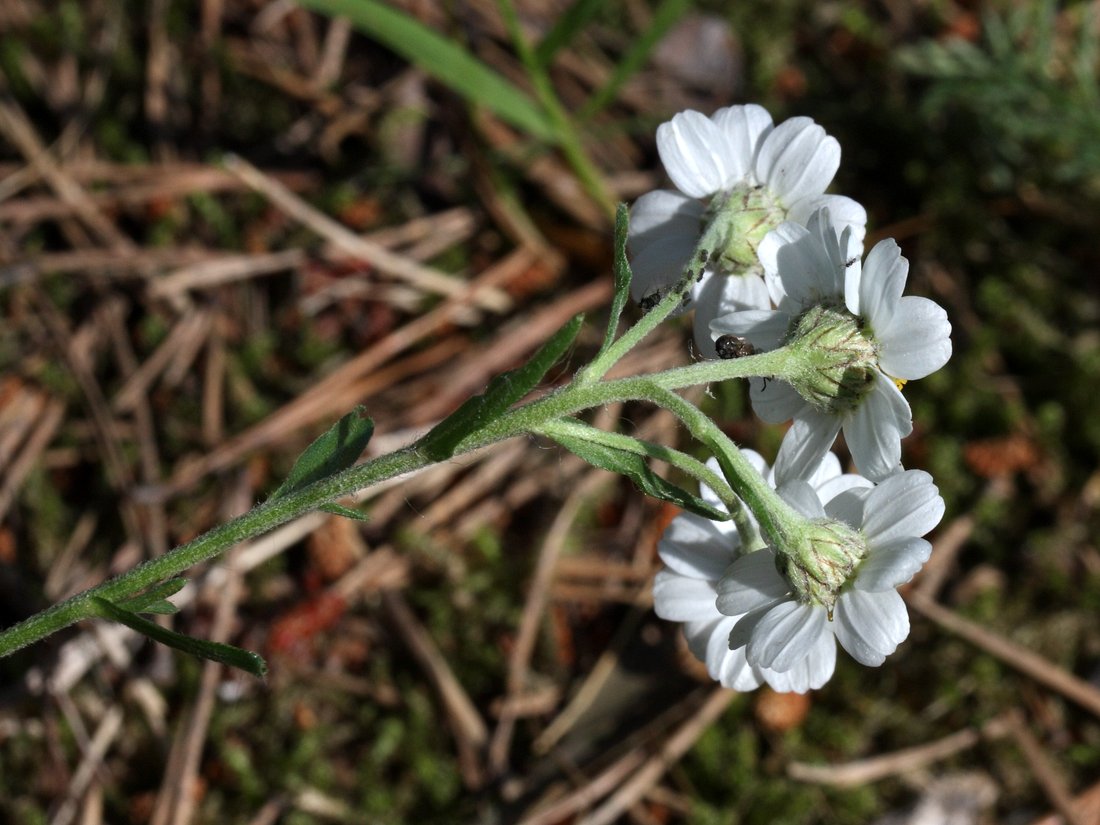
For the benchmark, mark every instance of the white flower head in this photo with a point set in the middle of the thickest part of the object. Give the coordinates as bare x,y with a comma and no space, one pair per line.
862,340
697,552
777,631
738,176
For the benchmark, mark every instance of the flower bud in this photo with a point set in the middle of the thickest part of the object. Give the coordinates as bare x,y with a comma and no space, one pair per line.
819,565
837,358
737,222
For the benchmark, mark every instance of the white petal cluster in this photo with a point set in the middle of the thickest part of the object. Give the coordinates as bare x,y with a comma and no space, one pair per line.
775,632
813,265
697,552
788,166
781,268
741,616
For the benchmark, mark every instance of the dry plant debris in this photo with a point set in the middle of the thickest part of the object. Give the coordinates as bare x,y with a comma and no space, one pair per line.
224,224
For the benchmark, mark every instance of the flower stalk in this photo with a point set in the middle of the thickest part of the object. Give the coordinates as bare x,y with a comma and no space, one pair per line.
529,418
260,519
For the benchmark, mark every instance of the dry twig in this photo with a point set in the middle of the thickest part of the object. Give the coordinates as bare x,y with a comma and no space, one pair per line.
864,771
469,729
420,276
1044,771
104,737
1030,664
667,755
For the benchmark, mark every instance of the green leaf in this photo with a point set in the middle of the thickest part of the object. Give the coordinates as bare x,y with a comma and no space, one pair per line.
155,599
341,510
569,25
634,467
244,660
622,277
330,453
503,391
666,15
444,59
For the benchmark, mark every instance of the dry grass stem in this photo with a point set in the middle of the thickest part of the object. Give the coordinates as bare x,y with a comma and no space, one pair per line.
328,396
1086,806
131,187
18,129
330,64
537,598
1030,664
155,521
563,469
589,793
208,274
669,753
195,326
213,387
105,734
1043,769
950,540
466,723
481,481
452,225
383,568
590,689
61,581
397,266
875,769
76,357
15,473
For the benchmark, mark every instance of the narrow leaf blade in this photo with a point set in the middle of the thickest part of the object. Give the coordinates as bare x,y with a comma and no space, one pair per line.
503,391
341,510
444,59
664,17
161,608
569,25
635,468
244,660
622,276
330,453
155,599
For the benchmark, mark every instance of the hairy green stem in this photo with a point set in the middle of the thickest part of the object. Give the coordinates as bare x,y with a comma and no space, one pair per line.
675,458
529,418
576,397
260,519
751,489
631,338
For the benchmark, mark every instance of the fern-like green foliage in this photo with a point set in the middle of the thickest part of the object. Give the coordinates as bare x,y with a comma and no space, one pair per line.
1026,96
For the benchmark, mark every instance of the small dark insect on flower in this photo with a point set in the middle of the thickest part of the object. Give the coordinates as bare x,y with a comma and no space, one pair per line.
733,346
851,261
649,301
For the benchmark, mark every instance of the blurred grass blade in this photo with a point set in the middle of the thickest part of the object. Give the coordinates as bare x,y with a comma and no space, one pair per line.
576,17
666,16
444,60
568,138
244,660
